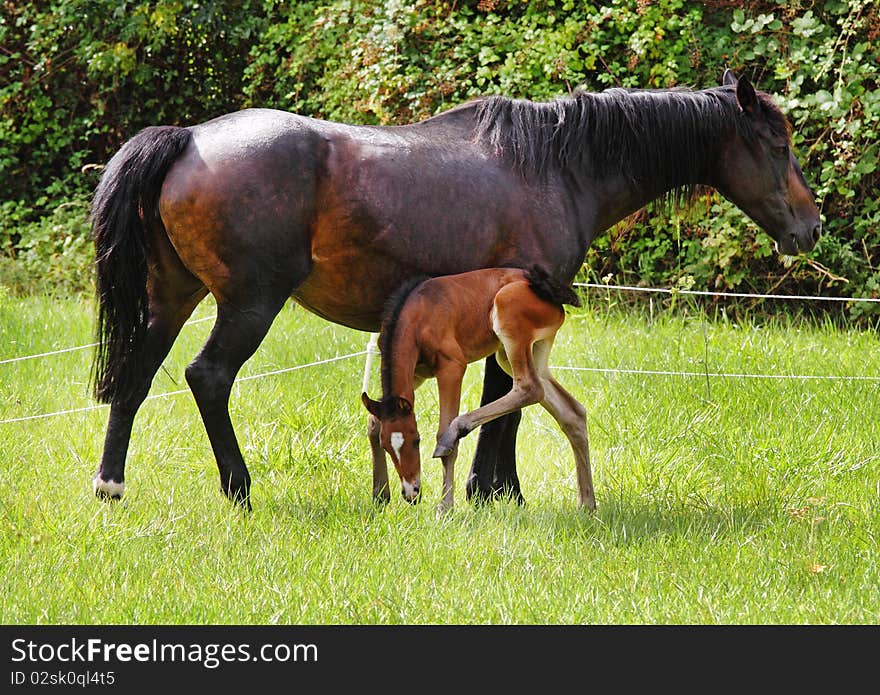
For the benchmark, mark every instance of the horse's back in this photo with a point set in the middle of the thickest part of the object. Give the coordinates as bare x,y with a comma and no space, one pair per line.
311,208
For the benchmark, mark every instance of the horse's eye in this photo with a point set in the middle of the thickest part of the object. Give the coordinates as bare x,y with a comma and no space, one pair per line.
779,150
416,443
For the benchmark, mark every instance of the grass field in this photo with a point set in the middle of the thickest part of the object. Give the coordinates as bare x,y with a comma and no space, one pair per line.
720,500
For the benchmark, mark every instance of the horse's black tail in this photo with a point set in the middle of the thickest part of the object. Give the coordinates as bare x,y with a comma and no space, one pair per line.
125,205
550,289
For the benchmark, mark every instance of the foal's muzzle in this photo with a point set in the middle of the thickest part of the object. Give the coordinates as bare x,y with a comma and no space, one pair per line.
411,491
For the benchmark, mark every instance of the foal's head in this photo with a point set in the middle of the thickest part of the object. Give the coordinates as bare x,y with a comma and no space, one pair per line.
399,436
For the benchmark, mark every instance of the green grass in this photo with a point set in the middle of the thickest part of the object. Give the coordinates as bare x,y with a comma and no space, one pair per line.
737,501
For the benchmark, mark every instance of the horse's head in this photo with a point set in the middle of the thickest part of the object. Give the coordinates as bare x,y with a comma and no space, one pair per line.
761,176
399,436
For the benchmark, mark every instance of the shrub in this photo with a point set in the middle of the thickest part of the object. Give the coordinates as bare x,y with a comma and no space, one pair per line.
80,77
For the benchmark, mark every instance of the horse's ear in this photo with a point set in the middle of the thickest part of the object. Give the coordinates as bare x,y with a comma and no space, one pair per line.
746,97
403,406
373,407
728,79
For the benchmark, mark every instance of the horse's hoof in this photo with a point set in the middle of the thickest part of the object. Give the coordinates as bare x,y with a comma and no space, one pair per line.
477,491
242,502
108,490
508,489
238,495
447,441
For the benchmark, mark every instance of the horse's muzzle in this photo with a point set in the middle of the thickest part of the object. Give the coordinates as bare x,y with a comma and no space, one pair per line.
800,241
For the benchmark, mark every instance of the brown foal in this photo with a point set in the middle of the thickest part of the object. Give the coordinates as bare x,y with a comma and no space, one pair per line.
435,328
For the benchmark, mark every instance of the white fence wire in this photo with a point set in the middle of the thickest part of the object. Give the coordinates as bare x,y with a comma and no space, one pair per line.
371,349
166,394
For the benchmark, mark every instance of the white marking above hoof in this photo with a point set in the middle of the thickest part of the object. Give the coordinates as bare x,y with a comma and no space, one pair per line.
108,488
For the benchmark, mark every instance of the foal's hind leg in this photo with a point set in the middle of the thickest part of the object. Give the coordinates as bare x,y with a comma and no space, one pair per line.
174,293
571,416
526,391
237,333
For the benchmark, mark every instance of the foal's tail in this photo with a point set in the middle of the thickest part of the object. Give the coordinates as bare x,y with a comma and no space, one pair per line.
550,289
125,206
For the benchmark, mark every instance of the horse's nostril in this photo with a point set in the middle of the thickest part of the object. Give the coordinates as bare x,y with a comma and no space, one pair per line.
817,232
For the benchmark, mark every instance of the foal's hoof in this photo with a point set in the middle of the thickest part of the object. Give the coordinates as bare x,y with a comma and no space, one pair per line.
447,441
107,490
382,497
441,450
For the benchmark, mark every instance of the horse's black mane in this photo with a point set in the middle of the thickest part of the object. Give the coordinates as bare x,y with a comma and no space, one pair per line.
390,313
653,135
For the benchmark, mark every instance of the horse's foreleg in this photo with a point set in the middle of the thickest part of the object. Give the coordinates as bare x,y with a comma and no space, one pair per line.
571,416
166,319
236,335
493,469
381,492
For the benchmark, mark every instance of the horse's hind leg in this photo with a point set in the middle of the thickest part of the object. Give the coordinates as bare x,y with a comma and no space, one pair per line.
237,333
173,294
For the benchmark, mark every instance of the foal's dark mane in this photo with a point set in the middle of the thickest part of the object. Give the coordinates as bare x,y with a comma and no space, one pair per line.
653,136
390,315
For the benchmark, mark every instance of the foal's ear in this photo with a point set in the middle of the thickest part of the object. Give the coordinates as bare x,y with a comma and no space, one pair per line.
746,97
373,407
403,406
728,78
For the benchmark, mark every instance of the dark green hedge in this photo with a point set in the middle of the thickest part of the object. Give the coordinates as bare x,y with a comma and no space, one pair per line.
78,77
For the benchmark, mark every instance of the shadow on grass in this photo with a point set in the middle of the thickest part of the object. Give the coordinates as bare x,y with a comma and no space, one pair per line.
618,520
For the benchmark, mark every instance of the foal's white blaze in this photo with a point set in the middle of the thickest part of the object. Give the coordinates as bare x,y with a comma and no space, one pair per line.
108,487
397,443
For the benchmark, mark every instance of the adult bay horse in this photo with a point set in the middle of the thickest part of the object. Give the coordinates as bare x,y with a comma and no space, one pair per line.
261,205
435,327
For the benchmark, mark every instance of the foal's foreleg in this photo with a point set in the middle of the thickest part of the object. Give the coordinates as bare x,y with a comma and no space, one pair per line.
381,492
449,378
571,416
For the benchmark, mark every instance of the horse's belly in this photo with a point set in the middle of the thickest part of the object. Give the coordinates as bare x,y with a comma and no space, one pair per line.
343,293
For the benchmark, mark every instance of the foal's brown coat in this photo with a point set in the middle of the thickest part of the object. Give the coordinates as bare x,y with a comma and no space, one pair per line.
448,322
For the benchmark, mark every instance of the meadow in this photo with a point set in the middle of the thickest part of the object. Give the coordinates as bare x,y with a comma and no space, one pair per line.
721,500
